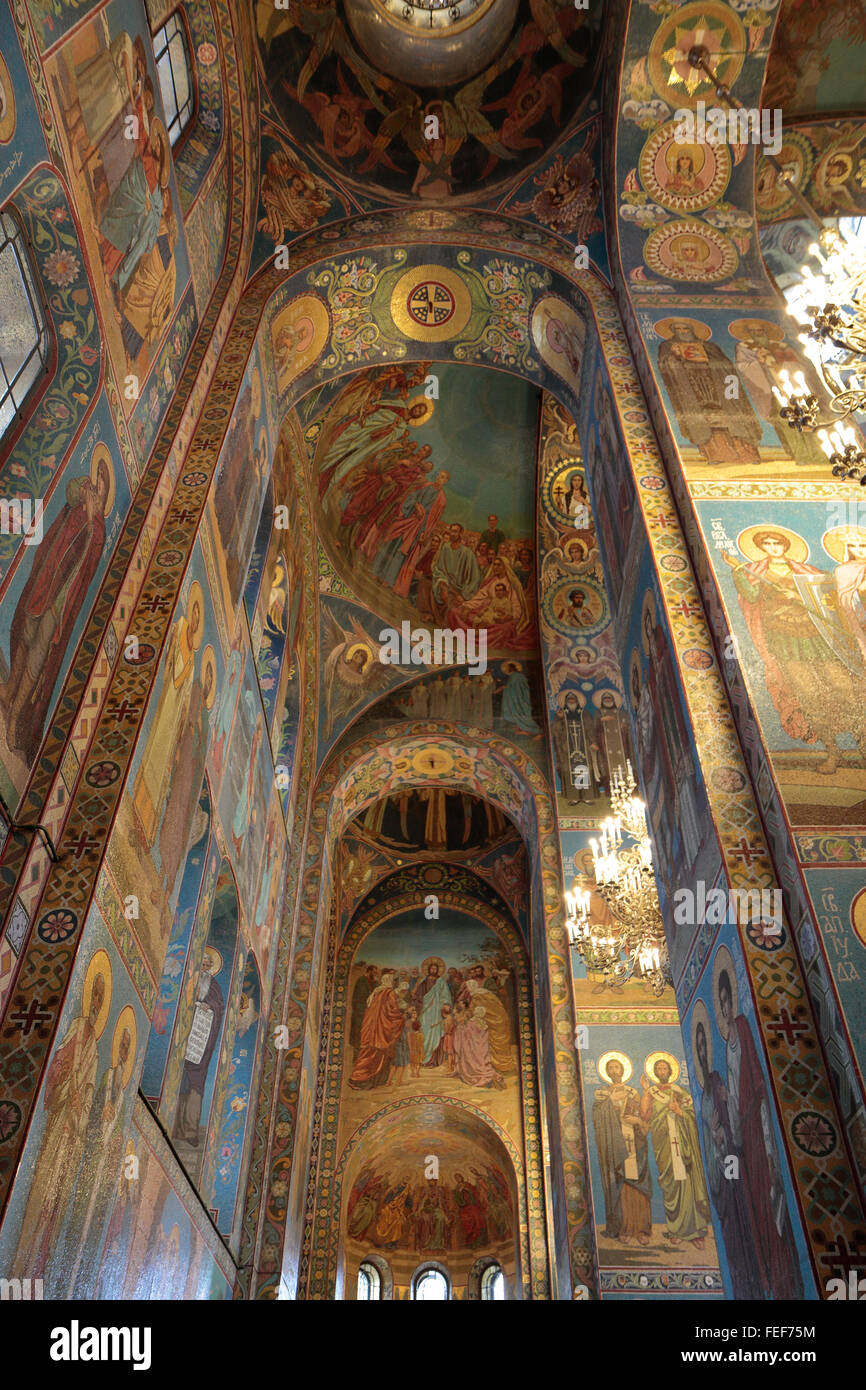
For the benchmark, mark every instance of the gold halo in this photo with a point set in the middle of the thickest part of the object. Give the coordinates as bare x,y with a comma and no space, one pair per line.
744,328
648,607
214,955
357,647
701,1014
99,965
689,239
724,961
102,454
433,960
858,916
835,540
665,327
158,129
797,550
654,1057
196,593
209,659
578,695
696,148
256,391
125,1022
606,1057
597,696
7,120
425,401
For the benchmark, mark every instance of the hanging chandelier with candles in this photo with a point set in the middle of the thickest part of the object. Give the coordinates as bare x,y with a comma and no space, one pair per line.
631,942
831,311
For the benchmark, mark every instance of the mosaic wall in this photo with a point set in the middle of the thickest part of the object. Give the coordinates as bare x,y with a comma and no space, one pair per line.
365,127
516,319
453,993
775,540
109,246
652,1227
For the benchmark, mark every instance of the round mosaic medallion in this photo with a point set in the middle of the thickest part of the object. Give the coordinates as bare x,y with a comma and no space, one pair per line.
814,1134
691,251
858,916
10,1119
7,104
58,925
576,607
773,197
683,176
697,660
727,779
714,27
430,304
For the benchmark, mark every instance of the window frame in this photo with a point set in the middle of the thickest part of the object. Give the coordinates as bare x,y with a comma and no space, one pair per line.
32,280
368,1271
183,23
489,1276
424,1271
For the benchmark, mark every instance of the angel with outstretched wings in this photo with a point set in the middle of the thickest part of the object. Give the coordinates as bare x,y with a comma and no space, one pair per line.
353,673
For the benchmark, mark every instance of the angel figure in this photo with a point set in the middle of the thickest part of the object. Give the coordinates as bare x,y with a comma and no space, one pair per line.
353,672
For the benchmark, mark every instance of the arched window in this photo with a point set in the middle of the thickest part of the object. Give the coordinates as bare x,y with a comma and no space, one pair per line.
171,51
24,341
493,1284
430,1285
369,1283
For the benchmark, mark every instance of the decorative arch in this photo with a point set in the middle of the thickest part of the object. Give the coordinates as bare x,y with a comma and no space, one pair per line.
374,1124
486,901
734,806
502,773
362,926
431,1267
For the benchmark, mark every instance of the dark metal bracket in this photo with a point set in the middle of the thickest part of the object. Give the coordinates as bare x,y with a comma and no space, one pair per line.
35,827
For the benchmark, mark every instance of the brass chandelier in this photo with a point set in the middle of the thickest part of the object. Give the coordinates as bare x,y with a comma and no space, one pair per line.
632,943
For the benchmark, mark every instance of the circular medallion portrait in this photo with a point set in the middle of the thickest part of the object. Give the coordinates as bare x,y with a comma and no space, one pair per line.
683,176
690,251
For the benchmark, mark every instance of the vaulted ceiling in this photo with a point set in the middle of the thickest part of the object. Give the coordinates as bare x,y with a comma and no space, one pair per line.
357,86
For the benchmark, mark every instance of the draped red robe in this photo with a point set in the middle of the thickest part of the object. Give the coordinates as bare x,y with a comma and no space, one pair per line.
382,1026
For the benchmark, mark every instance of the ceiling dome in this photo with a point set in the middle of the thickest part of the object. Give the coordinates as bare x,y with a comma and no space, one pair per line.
431,43
356,84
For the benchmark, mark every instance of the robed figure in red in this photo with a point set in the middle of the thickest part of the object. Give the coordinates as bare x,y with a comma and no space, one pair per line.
41,631
382,1026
